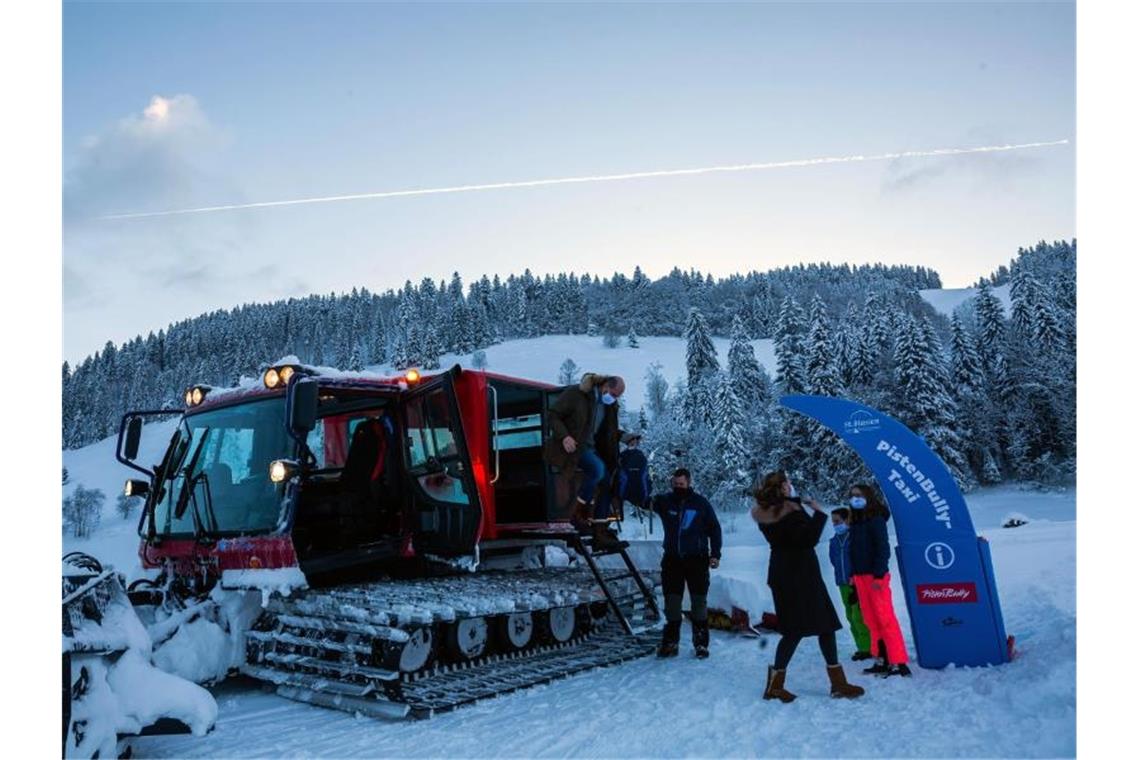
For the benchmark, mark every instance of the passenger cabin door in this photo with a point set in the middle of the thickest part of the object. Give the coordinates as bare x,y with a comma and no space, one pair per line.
444,501
560,486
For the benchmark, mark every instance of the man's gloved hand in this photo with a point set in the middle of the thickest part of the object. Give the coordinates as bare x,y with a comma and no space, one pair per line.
714,562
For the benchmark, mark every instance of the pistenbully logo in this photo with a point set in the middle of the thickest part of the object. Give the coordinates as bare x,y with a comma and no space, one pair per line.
861,422
947,593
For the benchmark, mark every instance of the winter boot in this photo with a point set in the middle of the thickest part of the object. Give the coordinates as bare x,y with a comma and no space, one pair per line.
670,638
860,656
580,513
880,666
897,670
701,639
775,687
604,540
839,685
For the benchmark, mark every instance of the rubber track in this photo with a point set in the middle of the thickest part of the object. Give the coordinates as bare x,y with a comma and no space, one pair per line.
317,649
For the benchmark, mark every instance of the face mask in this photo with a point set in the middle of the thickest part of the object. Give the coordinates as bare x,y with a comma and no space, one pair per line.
858,502
680,490
607,399
840,529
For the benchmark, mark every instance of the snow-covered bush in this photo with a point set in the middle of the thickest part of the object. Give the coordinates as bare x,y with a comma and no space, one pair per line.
611,340
479,359
125,505
568,373
83,510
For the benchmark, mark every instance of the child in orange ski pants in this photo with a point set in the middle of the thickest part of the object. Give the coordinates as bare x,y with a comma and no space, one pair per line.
879,615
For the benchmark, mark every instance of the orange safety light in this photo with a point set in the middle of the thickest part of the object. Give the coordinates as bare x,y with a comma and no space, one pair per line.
412,376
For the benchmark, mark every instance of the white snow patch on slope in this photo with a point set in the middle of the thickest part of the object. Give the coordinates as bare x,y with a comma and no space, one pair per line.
946,300
540,359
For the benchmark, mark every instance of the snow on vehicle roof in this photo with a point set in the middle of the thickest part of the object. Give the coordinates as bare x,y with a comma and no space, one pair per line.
253,386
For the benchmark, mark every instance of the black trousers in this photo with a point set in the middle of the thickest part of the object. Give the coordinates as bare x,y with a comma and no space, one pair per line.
677,573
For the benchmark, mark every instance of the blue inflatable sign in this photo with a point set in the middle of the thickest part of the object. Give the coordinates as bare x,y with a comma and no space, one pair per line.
944,566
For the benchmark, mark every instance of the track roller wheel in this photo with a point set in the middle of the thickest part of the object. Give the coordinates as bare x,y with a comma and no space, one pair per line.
561,624
515,631
416,653
467,638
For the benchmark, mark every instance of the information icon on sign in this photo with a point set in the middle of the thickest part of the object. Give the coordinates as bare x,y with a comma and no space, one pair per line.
939,555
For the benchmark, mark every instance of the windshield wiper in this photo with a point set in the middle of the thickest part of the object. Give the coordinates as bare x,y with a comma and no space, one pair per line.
175,453
188,480
211,516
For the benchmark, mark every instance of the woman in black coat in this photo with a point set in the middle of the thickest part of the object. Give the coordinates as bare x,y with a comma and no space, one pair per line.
803,606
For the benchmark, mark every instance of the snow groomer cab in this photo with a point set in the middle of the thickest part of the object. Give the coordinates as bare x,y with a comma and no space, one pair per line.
334,475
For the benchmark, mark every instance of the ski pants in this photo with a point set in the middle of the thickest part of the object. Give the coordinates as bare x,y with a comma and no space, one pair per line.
855,618
594,474
676,574
879,615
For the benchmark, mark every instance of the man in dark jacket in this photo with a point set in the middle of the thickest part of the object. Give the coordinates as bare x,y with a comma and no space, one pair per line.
584,426
633,477
692,546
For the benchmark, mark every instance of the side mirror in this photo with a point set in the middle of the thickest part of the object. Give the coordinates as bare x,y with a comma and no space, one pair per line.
301,406
131,440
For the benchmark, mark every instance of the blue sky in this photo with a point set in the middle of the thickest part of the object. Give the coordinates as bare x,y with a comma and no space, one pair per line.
272,101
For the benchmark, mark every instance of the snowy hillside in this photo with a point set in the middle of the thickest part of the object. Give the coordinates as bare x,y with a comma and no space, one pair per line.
540,359
946,300
116,540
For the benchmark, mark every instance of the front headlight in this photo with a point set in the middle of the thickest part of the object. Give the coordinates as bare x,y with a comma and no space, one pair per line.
281,470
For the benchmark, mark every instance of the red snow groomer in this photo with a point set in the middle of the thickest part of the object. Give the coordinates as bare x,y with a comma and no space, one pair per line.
394,532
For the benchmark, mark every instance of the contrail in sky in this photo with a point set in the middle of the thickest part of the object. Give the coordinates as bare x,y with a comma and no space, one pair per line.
599,178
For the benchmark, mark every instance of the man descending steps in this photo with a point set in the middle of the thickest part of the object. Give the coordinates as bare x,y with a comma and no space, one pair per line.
585,435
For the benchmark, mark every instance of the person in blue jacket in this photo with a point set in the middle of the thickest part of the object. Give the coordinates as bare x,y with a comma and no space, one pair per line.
691,546
839,550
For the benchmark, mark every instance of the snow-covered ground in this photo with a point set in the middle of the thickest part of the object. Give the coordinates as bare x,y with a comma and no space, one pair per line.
686,707
946,300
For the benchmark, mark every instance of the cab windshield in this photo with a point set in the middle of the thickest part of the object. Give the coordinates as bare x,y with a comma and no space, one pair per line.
215,475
